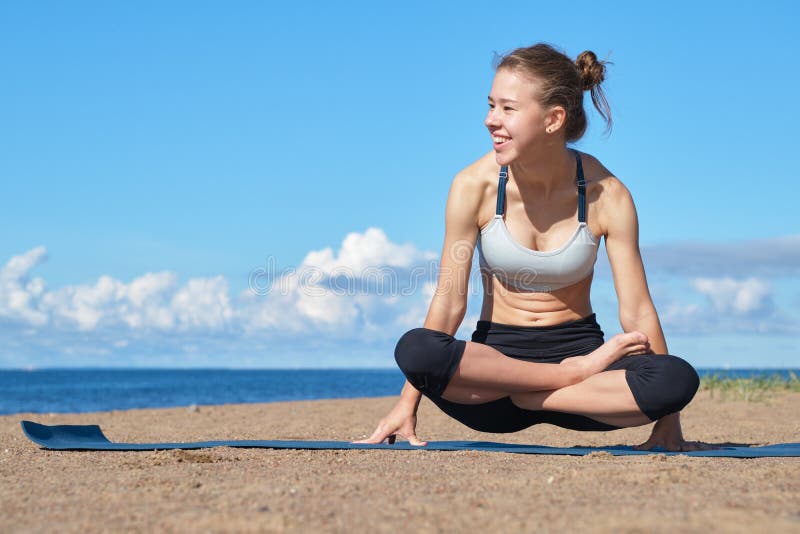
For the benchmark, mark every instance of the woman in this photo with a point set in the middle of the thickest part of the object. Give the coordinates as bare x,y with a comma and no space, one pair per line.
519,204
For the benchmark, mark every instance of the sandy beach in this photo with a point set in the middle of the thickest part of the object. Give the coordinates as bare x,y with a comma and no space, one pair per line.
257,490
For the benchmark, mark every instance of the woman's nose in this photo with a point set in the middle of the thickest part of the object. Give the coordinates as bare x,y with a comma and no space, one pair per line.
491,119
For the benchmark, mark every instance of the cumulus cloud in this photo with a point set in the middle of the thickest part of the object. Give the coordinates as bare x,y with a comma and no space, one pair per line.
83,305
359,252
146,301
18,292
203,303
365,288
151,301
160,304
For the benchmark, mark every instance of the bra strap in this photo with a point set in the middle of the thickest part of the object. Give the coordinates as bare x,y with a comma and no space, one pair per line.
501,190
581,182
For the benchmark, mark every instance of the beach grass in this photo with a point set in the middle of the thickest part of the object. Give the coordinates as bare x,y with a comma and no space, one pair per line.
751,389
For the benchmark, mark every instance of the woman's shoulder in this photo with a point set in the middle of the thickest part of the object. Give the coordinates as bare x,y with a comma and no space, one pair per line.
474,187
601,182
477,180
478,173
606,193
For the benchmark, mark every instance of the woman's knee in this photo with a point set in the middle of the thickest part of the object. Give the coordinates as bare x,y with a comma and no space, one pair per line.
666,385
428,358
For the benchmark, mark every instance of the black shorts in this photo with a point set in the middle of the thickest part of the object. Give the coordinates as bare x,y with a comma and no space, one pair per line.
660,384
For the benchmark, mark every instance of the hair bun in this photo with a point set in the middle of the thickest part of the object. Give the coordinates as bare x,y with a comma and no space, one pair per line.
591,71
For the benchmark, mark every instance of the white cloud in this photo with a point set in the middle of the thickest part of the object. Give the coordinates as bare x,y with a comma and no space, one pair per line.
144,303
150,287
361,251
363,288
157,307
18,293
324,307
203,303
740,297
151,301
82,305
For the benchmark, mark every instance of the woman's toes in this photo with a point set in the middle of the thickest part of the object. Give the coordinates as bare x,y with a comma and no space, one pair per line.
635,338
629,339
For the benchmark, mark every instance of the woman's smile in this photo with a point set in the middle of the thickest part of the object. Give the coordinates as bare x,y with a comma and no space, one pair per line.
499,141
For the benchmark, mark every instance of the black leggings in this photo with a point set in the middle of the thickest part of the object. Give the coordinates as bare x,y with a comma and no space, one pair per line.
661,384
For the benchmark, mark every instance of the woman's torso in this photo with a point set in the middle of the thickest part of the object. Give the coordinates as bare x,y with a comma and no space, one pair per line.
540,225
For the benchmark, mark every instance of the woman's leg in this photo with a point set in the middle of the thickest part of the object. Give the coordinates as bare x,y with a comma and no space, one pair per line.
485,374
605,397
484,369
635,390
438,364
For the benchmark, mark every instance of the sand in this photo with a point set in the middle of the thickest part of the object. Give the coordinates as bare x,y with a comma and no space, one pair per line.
257,490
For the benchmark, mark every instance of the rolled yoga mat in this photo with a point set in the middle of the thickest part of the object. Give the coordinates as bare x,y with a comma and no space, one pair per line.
91,438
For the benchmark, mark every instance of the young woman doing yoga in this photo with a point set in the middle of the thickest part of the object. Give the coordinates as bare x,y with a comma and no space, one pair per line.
536,211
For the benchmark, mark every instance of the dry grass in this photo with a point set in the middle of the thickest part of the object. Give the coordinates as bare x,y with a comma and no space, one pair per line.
751,389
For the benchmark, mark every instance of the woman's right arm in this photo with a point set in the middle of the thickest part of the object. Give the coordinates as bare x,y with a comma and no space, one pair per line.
449,303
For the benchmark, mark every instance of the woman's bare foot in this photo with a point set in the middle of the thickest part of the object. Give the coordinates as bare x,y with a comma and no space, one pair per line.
612,350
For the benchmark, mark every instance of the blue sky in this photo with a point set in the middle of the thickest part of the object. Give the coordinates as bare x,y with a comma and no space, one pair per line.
154,156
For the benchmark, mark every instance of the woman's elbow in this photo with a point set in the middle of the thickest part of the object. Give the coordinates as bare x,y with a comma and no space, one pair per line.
445,316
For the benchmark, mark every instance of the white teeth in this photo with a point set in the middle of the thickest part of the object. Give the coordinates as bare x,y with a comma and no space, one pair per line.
497,139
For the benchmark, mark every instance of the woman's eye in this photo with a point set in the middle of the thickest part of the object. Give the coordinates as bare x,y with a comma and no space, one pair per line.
508,109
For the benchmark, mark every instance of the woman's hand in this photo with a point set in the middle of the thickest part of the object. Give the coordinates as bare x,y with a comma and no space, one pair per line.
402,421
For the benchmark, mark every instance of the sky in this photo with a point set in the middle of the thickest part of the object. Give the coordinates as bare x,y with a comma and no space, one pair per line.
208,184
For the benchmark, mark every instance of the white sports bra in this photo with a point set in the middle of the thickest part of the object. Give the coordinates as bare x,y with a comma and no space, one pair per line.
532,270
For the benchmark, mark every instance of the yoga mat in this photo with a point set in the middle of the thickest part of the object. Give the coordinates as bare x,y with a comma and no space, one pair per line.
91,438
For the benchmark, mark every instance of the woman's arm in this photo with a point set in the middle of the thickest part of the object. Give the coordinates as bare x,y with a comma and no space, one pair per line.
449,302
636,308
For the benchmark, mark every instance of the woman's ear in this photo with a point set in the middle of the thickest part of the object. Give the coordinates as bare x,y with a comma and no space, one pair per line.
555,119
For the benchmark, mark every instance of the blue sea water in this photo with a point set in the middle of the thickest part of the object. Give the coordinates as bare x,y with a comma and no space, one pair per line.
93,390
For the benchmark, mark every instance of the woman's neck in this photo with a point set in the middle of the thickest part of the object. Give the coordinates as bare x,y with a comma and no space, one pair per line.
546,173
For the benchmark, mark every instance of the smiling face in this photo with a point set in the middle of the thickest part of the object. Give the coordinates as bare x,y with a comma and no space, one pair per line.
516,121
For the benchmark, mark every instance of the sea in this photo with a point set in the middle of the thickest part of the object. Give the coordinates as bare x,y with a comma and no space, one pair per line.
94,390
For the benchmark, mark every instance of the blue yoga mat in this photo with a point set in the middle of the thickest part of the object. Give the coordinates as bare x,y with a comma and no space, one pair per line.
91,438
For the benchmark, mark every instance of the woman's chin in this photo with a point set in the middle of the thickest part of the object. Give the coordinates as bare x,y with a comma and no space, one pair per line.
503,158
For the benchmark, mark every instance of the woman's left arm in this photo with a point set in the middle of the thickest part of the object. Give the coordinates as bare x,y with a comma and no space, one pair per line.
636,309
